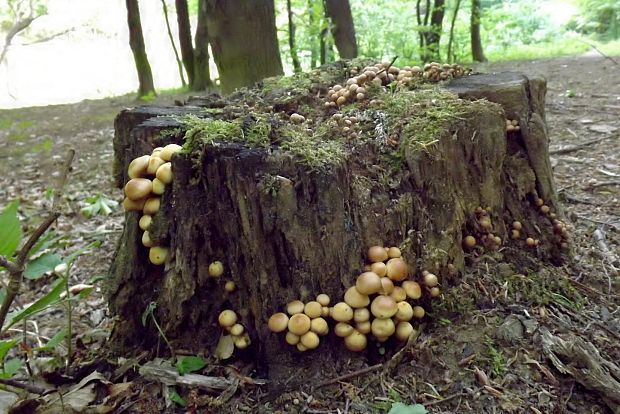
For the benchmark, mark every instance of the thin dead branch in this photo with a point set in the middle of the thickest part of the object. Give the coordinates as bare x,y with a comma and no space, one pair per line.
572,148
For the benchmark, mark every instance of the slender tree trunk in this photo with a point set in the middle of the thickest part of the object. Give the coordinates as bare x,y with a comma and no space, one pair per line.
202,74
185,38
243,40
418,15
343,29
477,53
323,46
136,42
174,47
432,33
450,55
291,37
313,32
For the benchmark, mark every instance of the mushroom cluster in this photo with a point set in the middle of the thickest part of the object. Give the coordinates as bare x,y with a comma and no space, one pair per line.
383,74
303,322
483,231
382,302
346,123
512,125
229,321
148,177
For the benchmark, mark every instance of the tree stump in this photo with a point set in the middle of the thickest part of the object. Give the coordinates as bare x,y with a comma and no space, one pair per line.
290,220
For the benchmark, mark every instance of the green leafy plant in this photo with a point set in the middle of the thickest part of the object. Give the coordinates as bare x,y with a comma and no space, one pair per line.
189,364
98,205
176,398
400,408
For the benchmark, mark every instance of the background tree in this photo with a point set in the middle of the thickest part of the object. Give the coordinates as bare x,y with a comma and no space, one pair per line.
450,54
430,28
291,37
342,27
136,42
19,16
477,52
185,38
174,46
202,73
244,42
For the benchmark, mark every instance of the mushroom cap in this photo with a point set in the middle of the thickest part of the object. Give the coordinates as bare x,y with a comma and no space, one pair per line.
138,188
343,329
431,280
237,329
379,268
517,225
278,322
291,338
164,173
435,291
227,318
295,306
404,312
301,347
363,327
241,342
299,324
394,252
310,340
418,312
382,327
146,239
216,269
377,254
342,312
154,163
230,286
133,205
158,187
361,315
137,167
397,269
368,283
325,312
412,289
356,342
151,205
323,299
355,299
145,222
469,241
158,255
319,326
383,307
398,294
168,150
313,309
387,286
403,330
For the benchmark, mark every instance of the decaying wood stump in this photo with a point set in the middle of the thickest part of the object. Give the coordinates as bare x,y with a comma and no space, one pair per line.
290,221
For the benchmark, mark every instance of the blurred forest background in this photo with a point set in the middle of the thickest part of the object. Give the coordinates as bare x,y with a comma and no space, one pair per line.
60,51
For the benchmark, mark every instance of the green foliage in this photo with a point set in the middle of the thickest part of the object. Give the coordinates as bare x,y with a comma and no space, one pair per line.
10,230
53,297
498,362
41,265
176,398
98,205
54,341
189,364
400,408
597,17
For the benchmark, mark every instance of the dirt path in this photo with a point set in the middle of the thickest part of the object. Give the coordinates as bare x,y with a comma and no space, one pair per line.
583,116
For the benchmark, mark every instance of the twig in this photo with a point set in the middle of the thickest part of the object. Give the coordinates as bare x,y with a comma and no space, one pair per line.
348,376
448,398
398,356
388,66
612,225
599,51
16,268
572,148
30,388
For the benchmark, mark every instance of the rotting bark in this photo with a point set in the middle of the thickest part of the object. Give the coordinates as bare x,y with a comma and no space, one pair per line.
288,231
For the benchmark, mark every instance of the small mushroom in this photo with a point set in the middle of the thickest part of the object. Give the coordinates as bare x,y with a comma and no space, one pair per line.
361,315
295,307
138,166
418,312
435,292
313,309
387,286
158,255
151,205
138,188
146,239
227,318
299,324
383,307
404,330
237,329
154,164
355,342
145,222
164,173
412,289
394,252
278,322
319,326
133,205
230,286
377,254
342,312
158,187
469,242
404,312
291,338
379,268
310,340
398,294
368,283
297,118
169,150
431,280
216,269
382,327
323,299
397,269
355,299
363,327
343,329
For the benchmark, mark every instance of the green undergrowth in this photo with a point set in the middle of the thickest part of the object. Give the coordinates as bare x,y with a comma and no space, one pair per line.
317,149
205,131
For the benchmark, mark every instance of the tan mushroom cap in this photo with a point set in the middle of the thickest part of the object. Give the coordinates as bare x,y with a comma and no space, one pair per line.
301,347
145,222
291,338
342,312
412,289
133,205
404,330
313,309
158,187
469,242
319,326
151,205
382,327
393,252
343,329
368,283
323,299
363,327
299,324
137,167
294,307
310,340
146,239
216,269
379,268
418,312
169,150
404,312
154,163
227,318
397,269
241,342
237,329
356,342
383,307
361,315
377,254
278,322
435,291
431,280
138,188
355,299
158,255
230,286
387,286
398,294
164,173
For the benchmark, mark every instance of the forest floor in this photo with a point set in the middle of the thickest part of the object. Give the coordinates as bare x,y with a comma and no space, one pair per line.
508,371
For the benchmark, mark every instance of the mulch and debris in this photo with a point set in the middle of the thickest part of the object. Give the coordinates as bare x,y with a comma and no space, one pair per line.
534,338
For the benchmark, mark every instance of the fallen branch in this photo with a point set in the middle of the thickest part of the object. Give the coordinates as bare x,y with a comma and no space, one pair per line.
572,148
599,238
170,376
30,388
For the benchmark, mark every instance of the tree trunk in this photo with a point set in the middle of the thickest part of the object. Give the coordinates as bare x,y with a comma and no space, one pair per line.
313,34
343,29
174,47
286,229
243,41
136,42
202,73
450,54
185,38
432,32
477,53
291,37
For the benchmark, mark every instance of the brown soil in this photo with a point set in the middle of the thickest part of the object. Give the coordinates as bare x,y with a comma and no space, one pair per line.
583,104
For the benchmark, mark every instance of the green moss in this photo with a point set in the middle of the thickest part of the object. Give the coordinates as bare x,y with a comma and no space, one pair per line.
205,131
536,290
317,150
